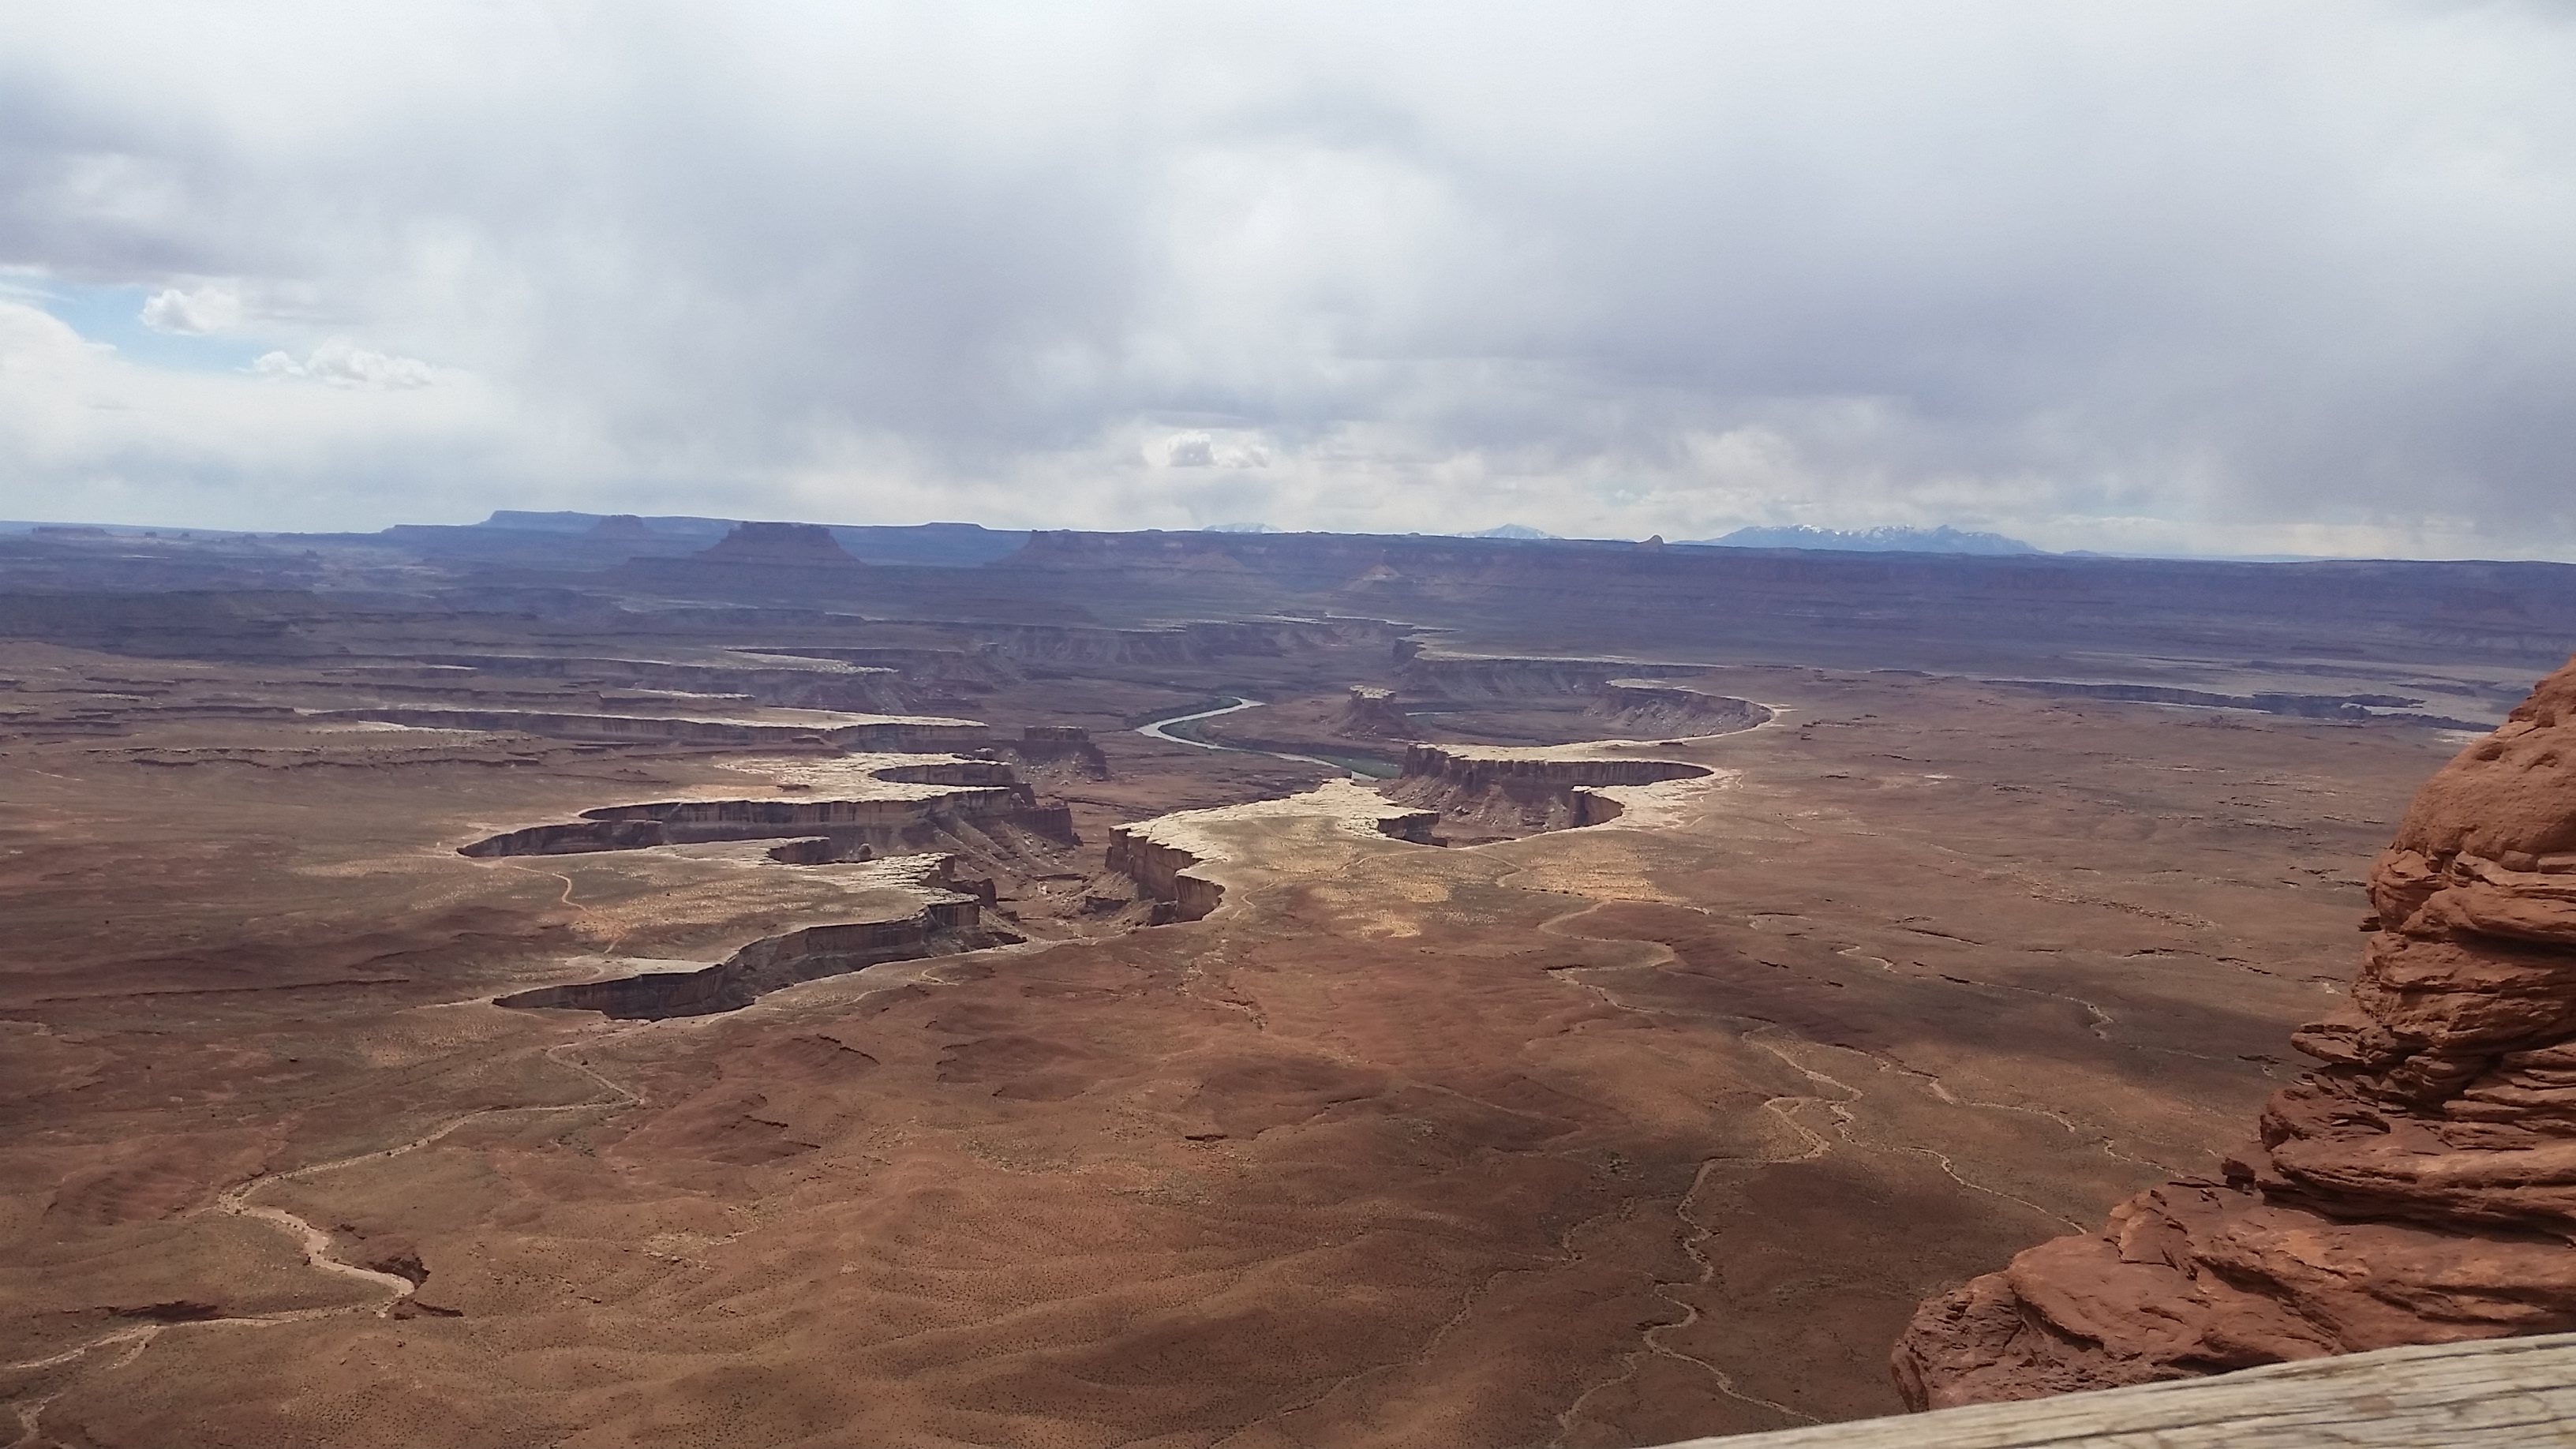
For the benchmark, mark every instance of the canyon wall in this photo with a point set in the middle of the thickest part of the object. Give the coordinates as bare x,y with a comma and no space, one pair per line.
970,792
828,683
1647,708
1497,792
1428,674
1067,746
1161,872
848,731
942,927
2419,1187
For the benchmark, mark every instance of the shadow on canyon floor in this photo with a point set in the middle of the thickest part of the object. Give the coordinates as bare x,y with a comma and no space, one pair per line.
1655,1127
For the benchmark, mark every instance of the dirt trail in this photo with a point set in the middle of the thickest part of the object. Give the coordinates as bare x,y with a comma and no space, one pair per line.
316,1244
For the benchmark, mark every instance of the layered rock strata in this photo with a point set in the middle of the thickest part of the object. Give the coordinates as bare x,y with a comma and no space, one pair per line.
1373,714
1066,746
2419,1187
1438,674
898,803
789,680
1501,792
1647,707
778,727
949,921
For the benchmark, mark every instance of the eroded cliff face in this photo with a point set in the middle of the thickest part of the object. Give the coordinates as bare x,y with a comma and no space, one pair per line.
1161,874
1373,714
1648,708
952,793
2420,1187
847,731
948,921
1487,793
1064,749
1430,674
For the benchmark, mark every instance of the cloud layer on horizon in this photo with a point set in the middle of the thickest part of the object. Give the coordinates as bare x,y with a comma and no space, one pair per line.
2282,277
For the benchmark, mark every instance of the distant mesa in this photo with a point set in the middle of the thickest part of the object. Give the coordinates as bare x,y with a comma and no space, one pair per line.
952,545
780,545
620,528
1240,528
1944,539
1513,530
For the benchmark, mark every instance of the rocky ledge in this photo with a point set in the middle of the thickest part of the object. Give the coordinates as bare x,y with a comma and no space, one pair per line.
855,806
1648,708
948,921
2419,1187
761,727
1486,792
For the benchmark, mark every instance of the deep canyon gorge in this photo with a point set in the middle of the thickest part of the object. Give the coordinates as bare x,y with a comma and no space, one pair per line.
497,985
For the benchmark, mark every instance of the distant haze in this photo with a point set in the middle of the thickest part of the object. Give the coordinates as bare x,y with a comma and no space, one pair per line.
1872,540
2235,278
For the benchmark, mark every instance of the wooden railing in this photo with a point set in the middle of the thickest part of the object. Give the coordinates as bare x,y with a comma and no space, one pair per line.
2502,1393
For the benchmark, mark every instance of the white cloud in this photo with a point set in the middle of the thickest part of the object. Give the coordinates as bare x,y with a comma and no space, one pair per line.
1206,450
2209,271
89,435
340,363
207,309
34,345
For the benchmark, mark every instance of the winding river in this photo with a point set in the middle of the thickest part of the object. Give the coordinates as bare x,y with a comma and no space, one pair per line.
1161,728
1356,766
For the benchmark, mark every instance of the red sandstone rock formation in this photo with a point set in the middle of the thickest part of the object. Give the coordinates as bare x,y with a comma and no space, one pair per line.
2420,1187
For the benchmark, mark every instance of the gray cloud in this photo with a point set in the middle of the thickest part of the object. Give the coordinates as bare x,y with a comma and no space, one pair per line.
2276,277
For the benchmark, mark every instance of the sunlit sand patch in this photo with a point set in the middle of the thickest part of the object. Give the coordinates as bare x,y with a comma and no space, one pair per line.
1666,804
849,777
1336,807
1599,866
1417,890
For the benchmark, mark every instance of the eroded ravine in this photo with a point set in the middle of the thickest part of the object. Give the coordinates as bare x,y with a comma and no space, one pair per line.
1842,1101
317,1247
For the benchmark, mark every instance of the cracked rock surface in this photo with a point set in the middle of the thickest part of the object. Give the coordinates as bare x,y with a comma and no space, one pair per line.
2419,1187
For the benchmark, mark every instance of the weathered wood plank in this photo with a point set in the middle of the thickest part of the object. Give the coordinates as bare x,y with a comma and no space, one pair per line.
2509,1393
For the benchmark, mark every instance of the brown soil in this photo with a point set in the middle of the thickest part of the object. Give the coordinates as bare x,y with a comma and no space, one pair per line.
1606,1135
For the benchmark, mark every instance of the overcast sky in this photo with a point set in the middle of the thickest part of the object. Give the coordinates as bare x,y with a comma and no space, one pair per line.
2229,277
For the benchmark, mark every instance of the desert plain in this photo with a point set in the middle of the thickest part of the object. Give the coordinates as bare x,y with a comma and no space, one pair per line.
594,985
